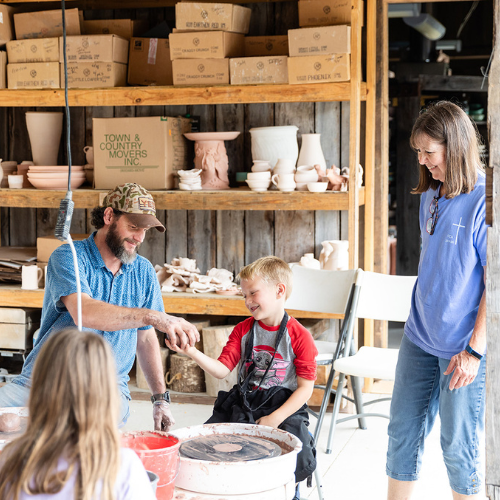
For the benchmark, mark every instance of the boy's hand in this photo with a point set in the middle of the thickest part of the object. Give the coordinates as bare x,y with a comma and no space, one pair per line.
187,350
269,420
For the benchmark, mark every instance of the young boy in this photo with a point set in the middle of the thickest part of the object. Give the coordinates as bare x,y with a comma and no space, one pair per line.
276,357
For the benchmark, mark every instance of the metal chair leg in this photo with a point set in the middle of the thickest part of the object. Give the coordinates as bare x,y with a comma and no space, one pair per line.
335,413
319,486
358,399
324,404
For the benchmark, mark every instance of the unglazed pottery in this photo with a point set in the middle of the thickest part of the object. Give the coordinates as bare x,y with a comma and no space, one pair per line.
311,152
317,187
44,129
284,182
261,166
335,255
271,143
211,157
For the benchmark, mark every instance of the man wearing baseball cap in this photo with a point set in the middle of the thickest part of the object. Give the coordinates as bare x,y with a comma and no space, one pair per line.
121,299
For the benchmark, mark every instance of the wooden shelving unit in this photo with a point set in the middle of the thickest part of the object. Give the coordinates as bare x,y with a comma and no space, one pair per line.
354,91
232,199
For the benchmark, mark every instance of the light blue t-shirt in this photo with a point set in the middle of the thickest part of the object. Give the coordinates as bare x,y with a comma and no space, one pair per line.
450,280
134,285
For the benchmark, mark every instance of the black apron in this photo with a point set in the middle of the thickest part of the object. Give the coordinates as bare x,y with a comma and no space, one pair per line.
243,404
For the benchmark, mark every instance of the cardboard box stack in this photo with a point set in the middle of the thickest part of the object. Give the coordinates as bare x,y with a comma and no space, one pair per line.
36,58
265,61
6,34
33,58
320,54
207,35
95,61
149,62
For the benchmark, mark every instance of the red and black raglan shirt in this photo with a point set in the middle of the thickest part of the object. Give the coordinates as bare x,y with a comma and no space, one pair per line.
295,356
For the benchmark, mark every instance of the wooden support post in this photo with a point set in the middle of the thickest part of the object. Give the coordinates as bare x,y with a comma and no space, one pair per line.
493,277
381,166
355,120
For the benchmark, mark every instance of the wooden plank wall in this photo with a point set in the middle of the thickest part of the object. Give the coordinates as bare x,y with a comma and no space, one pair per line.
228,239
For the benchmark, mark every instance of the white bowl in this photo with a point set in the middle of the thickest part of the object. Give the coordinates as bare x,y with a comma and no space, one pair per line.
257,176
317,187
259,185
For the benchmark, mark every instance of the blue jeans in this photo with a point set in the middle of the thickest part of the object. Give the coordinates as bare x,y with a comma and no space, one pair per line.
17,395
420,392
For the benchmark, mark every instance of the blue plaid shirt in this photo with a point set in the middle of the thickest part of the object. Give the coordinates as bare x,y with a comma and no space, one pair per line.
135,285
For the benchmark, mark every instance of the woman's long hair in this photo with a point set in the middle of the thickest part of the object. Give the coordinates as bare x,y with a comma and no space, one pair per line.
447,124
73,415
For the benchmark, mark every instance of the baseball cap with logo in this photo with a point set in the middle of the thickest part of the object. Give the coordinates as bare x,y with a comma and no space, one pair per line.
136,202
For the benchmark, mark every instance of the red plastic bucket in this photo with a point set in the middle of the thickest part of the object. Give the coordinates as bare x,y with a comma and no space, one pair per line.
159,453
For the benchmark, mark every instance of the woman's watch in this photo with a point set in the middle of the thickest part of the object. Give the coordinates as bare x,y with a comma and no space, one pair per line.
161,397
474,353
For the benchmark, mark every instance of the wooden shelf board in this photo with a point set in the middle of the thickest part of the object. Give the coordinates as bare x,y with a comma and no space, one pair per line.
175,303
152,96
232,199
115,4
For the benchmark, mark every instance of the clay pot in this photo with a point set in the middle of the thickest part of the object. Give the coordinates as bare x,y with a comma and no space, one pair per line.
275,142
44,129
89,154
308,260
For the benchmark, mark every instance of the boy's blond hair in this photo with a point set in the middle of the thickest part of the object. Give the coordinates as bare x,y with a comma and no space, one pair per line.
272,270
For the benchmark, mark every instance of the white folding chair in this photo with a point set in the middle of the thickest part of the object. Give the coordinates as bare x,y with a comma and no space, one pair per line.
381,297
325,292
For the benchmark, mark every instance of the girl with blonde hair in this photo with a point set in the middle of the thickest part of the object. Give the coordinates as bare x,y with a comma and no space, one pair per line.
71,448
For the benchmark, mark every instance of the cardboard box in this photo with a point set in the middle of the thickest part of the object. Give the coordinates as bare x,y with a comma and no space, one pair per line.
33,50
3,70
126,28
200,71
320,40
6,24
149,62
87,75
45,245
17,327
87,48
251,70
319,69
324,12
208,44
33,75
46,24
266,46
148,150
212,16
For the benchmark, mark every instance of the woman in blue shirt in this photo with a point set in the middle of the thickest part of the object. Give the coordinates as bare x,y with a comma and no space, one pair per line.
441,366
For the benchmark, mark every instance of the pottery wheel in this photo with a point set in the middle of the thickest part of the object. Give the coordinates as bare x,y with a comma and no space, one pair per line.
229,448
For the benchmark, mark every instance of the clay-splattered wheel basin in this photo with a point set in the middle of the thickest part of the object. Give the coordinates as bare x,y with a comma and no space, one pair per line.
213,477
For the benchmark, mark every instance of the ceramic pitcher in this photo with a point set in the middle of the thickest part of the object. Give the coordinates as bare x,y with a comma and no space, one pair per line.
335,255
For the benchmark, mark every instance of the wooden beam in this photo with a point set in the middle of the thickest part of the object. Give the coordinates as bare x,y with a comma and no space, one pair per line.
423,1
153,96
437,83
116,4
232,199
175,303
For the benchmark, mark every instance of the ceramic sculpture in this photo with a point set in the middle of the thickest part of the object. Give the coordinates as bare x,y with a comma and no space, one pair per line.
211,157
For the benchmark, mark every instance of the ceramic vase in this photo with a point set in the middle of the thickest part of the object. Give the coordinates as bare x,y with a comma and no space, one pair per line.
272,143
211,158
308,260
311,152
335,255
45,131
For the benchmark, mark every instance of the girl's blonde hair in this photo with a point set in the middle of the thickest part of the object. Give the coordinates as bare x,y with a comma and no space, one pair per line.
272,270
447,124
73,415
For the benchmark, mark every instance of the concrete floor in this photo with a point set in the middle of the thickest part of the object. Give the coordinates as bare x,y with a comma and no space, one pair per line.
356,468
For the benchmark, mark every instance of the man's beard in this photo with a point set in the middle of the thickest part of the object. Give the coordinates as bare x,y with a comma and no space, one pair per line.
115,244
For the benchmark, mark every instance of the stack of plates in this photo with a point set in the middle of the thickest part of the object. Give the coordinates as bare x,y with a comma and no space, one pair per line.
56,177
